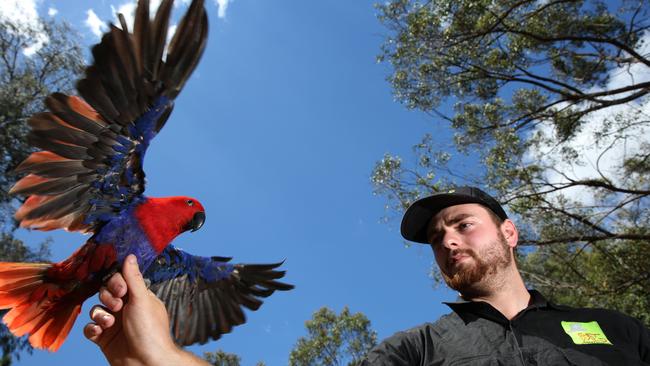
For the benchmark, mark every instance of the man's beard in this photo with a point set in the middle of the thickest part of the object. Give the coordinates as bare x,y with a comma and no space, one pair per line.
473,279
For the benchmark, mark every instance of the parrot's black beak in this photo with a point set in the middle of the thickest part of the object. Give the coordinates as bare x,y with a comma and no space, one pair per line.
197,222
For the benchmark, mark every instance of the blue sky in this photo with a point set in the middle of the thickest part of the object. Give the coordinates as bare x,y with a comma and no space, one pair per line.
276,133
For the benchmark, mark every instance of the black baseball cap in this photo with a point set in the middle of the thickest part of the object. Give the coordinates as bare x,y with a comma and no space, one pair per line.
416,219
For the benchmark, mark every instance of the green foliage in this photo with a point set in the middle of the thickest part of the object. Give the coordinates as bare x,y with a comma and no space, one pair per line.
14,250
333,339
24,83
221,358
25,80
548,57
549,115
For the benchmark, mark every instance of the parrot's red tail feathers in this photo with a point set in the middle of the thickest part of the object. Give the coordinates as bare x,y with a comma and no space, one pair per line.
18,281
38,307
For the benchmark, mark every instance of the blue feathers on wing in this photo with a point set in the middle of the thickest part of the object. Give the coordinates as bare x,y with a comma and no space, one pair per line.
90,167
205,296
173,263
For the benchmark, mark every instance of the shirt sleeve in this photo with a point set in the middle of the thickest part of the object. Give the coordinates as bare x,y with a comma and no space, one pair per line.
401,349
644,343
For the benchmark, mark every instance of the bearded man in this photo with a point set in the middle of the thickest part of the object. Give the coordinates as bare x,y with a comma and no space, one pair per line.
498,321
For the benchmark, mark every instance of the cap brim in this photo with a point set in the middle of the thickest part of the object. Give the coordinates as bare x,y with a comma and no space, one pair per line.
418,216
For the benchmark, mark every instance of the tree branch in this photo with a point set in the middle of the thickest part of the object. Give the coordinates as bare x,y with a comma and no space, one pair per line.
585,238
611,41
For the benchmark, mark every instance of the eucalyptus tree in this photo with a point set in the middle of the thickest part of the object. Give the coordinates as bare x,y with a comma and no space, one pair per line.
334,339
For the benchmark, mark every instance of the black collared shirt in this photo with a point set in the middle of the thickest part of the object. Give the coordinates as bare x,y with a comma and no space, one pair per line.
475,333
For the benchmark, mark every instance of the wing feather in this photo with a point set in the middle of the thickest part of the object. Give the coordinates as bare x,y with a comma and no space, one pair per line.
54,169
157,37
74,112
205,297
57,206
91,164
46,186
64,150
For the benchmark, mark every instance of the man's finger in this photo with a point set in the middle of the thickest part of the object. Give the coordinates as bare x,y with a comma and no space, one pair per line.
113,303
93,331
102,317
133,278
116,285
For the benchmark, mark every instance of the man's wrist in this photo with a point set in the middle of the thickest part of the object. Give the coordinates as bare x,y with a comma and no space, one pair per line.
175,355
184,357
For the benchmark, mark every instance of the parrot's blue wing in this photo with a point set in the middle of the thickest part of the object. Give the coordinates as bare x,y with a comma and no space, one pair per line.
205,296
90,166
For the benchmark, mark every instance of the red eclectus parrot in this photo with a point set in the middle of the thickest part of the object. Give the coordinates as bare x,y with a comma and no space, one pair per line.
88,177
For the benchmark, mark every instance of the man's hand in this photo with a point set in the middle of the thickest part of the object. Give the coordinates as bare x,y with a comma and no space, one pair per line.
132,328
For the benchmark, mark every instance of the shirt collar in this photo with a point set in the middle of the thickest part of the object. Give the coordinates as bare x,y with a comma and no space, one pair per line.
484,310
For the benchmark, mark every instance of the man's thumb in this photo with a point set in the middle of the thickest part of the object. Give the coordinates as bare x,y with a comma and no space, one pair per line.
133,277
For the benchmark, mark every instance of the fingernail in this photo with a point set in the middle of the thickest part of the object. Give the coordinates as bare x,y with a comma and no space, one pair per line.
106,317
131,259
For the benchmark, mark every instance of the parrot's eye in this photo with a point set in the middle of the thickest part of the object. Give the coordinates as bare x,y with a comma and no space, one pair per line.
190,203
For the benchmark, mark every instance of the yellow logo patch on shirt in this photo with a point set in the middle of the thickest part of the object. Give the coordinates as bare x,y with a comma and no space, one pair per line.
585,333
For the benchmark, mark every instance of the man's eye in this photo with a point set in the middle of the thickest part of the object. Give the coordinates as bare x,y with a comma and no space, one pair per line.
464,226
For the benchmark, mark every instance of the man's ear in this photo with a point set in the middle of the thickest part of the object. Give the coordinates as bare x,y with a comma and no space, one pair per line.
509,231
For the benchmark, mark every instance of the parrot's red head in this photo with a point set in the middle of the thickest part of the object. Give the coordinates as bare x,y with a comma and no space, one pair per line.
163,219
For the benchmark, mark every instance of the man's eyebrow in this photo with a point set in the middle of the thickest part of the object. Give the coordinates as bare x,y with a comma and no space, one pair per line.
458,218
432,231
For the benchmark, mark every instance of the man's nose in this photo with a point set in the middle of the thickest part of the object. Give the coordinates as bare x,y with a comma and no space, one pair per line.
450,240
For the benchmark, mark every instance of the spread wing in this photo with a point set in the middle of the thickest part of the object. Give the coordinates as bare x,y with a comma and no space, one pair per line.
92,147
205,296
